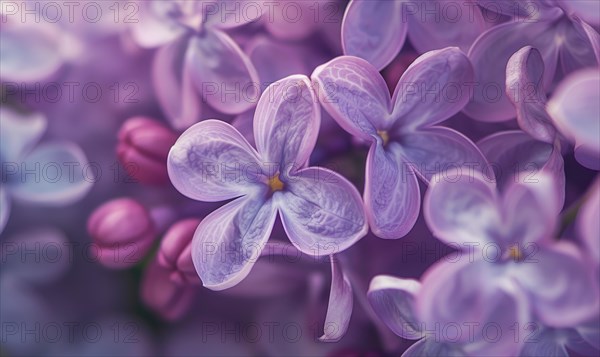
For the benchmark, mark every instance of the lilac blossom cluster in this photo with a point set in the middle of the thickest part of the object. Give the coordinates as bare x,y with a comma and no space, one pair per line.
300,177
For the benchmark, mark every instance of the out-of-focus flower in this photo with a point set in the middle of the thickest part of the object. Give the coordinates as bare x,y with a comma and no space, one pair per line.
575,109
377,30
508,269
122,231
175,252
51,173
321,211
169,300
541,24
588,228
143,148
405,142
197,57
587,10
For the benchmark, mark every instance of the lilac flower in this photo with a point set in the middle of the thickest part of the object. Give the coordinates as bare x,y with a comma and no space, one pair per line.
377,30
196,56
588,11
575,109
395,301
506,249
543,25
588,228
402,132
175,252
320,210
45,174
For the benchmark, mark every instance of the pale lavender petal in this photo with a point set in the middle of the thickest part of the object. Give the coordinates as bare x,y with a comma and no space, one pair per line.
514,156
461,208
321,211
490,54
471,292
211,161
579,45
173,85
452,24
374,30
157,23
593,37
524,87
587,10
392,195
4,207
354,94
564,290
228,14
286,122
393,300
339,308
437,149
229,241
222,73
59,175
433,88
587,221
19,133
429,347
530,210
575,108
519,8
295,20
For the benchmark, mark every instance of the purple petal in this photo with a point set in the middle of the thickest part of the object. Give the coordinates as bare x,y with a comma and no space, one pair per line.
339,308
222,73
461,208
374,30
437,150
211,161
587,221
530,209
524,87
454,24
512,8
433,88
430,347
5,204
228,14
579,45
229,241
173,85
393,301
321,211
564,291
60,177
287,27
392,196
545,342
589,11
575,108
490,54
287,121
156,25
354,94
19,133
474,292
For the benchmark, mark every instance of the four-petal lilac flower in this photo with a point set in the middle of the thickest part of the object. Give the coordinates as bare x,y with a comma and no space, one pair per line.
402,132
321,211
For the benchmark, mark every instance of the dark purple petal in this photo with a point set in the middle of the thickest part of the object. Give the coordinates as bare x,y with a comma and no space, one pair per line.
438,149
229,241
5,204
392,195
173,85
393,300
587,221
355,95
579,45
462,208
433,88
286,122
339,308
524,87
374,30
222,73
321,211
490,54
211,161
564,291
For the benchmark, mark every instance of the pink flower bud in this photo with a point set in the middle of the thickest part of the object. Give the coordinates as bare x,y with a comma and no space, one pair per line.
169,300
143,148
122,231
175,254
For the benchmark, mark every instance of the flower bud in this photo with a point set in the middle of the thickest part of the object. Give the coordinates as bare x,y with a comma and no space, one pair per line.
175,253
122,231
143,148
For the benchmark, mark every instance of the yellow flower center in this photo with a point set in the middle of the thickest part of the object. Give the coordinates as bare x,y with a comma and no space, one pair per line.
384,136
515,253
275,183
